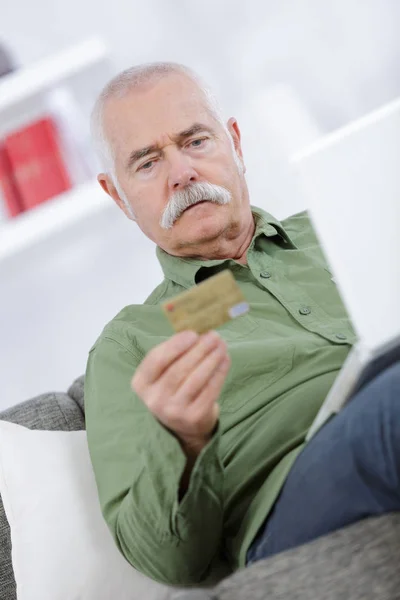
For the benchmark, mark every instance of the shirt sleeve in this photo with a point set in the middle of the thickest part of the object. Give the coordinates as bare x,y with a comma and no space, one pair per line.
138,465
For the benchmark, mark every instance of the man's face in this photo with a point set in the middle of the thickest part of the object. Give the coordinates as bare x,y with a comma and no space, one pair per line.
165,139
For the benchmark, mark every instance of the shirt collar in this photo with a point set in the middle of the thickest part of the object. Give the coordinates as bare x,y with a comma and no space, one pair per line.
183,271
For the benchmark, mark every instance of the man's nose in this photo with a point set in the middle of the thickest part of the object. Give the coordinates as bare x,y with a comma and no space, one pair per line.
181,173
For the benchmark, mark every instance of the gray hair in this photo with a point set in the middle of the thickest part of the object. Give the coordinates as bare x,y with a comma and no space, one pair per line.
127,81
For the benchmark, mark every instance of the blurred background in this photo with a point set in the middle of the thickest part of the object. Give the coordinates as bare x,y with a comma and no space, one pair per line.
289,70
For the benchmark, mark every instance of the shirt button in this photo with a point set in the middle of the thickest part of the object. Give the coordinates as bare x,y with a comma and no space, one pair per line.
341,336
305,310
265,274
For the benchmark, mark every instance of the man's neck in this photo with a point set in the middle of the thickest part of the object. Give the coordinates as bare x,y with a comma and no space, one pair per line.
229,249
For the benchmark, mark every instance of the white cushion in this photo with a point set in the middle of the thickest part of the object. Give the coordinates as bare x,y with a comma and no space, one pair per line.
61,546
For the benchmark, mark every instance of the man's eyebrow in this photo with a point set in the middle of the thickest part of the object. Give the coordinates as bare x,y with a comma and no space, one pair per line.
192,130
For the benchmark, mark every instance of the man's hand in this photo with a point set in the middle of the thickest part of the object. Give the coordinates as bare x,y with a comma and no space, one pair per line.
180,381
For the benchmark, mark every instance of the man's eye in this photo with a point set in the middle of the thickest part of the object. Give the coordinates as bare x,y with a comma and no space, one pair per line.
147,166
197,143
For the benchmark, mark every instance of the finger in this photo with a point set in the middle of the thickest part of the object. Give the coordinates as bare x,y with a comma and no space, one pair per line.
160,358
204,410
202,426
201,375
182,368
198,418
212,390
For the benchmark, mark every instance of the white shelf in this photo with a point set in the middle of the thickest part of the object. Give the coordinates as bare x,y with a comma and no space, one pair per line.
50,217
28,81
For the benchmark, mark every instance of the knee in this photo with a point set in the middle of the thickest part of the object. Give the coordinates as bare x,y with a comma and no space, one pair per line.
381,395
373,426
390,377
386,390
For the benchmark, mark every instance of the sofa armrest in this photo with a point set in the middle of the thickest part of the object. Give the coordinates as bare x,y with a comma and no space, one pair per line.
52,411
359,562
76,392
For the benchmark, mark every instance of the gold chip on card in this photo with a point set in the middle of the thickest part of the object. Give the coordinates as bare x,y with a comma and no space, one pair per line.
207,305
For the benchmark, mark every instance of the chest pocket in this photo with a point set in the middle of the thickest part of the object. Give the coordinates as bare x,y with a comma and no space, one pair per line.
237,329
257,366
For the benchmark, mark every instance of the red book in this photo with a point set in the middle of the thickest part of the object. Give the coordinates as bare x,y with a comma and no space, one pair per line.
8,190
37,163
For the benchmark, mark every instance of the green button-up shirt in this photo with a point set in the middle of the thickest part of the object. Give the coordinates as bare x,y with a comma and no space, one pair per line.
285,354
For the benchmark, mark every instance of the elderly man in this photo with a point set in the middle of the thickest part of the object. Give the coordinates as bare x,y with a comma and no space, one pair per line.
198,441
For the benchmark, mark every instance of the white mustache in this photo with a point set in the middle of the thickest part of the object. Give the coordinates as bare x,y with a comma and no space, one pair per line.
192,194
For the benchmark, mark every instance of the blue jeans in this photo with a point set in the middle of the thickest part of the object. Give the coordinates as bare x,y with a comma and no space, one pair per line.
348,471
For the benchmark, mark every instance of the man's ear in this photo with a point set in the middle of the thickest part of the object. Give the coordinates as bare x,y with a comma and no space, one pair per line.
108,186
234,130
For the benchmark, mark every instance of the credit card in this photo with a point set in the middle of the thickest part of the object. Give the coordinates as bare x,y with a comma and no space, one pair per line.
206,305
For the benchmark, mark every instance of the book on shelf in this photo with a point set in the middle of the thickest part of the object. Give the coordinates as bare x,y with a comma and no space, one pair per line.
35,155
9,196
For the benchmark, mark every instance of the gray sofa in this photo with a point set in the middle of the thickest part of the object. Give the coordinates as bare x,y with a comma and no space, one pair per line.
360,562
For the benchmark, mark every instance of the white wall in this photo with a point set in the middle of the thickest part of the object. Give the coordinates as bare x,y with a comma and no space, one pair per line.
341,58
